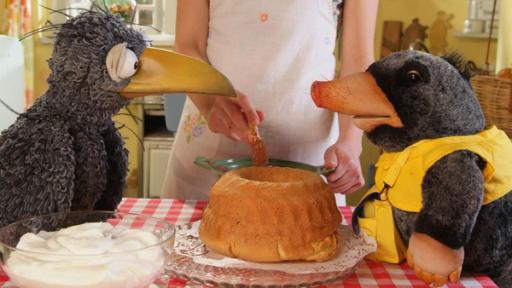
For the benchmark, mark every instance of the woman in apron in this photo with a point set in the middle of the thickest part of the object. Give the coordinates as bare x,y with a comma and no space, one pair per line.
271,50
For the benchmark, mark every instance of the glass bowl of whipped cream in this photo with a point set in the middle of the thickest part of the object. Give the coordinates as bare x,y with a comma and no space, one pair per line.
87,249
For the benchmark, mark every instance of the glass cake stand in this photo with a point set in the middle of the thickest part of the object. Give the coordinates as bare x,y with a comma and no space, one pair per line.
192,261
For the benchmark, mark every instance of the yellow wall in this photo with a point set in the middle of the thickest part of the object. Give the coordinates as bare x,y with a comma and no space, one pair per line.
504,58
2,18
42,53
426,11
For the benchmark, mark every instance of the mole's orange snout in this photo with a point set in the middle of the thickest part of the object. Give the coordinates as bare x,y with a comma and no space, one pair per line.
357,95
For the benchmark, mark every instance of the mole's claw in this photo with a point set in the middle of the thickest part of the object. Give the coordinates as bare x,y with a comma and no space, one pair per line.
410,260
455,275
440,280
427,277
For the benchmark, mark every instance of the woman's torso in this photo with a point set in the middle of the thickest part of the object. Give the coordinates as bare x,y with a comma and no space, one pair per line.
271,51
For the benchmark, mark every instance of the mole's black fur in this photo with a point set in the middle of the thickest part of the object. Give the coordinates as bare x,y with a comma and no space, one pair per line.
441,103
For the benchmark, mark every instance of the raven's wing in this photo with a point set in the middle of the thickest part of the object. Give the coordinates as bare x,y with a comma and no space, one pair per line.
37,170
117,168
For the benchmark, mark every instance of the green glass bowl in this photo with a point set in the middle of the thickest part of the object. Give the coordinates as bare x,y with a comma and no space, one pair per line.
222,166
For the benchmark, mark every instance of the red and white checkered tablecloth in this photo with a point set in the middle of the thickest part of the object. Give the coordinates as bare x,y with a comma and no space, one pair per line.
368,274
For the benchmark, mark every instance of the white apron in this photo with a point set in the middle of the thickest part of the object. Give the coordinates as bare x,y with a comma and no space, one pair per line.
271,50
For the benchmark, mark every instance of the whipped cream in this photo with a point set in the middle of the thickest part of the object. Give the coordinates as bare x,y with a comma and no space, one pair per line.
88,255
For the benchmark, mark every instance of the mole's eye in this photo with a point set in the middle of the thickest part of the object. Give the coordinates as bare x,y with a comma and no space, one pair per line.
413,76
121,62
128,66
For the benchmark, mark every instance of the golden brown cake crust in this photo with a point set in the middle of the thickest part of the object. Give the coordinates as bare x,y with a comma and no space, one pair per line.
271,214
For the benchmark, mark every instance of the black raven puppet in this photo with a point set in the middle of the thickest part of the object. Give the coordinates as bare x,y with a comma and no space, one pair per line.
65,153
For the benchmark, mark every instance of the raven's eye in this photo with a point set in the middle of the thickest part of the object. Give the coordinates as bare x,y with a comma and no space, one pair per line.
121,63
413,76
128,66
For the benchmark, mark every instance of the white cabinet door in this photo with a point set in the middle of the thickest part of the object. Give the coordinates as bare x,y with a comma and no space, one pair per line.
157,169
156,155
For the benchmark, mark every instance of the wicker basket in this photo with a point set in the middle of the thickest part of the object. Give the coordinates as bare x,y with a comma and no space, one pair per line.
495,96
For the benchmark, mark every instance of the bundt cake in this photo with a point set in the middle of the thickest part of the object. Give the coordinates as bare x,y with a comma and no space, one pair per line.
271,214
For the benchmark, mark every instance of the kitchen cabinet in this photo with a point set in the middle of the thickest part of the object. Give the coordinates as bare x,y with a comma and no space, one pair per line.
157,130
156,155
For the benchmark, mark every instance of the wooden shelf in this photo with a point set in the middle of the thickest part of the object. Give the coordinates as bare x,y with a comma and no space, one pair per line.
474,35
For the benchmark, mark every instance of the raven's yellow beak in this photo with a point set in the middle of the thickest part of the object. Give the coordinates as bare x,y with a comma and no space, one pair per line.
164,71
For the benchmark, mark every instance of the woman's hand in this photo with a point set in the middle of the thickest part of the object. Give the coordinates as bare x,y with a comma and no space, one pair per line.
227,116
359,22
347,177
232,116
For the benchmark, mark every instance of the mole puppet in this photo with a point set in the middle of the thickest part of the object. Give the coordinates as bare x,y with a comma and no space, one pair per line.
65,153
442,196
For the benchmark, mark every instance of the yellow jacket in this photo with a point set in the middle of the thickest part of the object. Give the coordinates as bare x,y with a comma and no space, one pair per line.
402,173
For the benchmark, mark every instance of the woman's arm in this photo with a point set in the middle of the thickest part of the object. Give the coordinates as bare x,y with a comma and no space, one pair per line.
359,20
191,37
228,116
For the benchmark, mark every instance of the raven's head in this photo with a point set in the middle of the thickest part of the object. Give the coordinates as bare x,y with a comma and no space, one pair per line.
99,63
